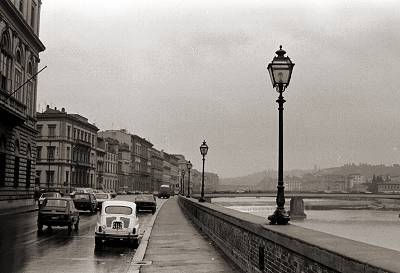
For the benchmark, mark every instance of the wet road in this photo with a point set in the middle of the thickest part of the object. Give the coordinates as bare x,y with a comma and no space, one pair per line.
22,249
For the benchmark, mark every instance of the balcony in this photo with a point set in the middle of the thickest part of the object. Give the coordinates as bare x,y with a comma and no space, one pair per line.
83,142
12,111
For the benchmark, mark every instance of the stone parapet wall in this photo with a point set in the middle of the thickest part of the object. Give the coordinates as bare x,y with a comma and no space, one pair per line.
255,246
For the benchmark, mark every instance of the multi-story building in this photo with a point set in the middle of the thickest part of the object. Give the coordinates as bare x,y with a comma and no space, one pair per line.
292,183
170,171
66,151
182,172
211,181
156,169
19,59
107,164
141,157
124,161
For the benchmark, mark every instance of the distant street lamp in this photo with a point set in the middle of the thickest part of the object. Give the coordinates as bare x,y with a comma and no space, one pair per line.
203,151
189,166
280,71
183,182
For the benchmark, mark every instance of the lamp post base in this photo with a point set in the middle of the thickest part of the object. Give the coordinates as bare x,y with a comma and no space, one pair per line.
280,217
202,200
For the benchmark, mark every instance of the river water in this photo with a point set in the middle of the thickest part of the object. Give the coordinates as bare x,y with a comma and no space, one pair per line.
376,227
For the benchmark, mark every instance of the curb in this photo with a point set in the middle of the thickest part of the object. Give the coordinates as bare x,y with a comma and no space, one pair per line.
137,259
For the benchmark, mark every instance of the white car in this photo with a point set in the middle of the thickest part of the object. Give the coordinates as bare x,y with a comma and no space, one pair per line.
117,221
48,194
101,197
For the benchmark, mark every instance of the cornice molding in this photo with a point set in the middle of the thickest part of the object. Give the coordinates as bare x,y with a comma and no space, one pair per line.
21,24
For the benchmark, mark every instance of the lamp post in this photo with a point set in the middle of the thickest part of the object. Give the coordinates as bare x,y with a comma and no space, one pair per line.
280,71
189,166
183,182
203,151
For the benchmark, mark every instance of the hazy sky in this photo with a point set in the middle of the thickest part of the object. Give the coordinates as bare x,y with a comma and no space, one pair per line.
178,72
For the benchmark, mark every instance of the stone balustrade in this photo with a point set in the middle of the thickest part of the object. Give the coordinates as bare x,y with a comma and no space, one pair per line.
255,246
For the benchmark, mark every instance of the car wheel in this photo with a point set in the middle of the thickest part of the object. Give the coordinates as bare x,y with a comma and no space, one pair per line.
98,243
40,227
134,243
76,226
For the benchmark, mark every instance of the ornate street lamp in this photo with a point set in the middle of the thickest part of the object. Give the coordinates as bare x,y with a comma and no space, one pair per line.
183,182
189,166
203,151
280,71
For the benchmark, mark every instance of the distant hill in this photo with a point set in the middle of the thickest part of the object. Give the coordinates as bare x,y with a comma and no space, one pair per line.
256,178
268,178
251,179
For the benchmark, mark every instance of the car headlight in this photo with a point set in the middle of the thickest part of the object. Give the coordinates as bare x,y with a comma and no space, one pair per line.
104,227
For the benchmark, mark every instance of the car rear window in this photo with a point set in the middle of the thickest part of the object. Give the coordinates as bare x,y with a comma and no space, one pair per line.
101,196
56,203
50,194
144,198
118,210
81,196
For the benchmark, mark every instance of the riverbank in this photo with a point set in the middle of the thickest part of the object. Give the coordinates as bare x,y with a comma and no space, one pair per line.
315,204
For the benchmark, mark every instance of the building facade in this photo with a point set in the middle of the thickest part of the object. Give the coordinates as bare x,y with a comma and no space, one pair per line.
141,157
19,58
124,160
156,169
107,164
66,151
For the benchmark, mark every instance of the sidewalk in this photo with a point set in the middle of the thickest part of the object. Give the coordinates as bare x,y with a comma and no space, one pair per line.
18,210
177,246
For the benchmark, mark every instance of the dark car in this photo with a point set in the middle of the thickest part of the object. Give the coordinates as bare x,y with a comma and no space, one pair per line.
58,211
146,202
85,201
165,191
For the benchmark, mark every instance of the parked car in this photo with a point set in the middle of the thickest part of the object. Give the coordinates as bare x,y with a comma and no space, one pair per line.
165,191
101,197
85,201
113,193
117,221
146,202
121,192
58,211
45,195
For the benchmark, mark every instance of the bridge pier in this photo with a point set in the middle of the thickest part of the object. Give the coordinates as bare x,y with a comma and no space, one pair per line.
297,208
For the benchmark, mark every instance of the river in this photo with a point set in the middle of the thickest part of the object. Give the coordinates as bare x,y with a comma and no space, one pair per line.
376,227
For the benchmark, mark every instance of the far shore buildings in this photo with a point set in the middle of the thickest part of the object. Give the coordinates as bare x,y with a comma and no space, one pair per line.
66,151
19,60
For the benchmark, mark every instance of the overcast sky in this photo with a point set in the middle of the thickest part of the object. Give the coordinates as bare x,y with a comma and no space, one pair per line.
178,72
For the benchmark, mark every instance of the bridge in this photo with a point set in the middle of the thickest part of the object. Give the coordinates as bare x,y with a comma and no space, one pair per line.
306,195
297,198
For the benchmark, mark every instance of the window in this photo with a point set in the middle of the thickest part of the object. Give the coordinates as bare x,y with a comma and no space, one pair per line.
2,169
18,81
39,152
33,15
28,173
16,172
6,62
50,152
21,6
39,128
29,99
68,132
49,177
52,130
68,153
66,177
